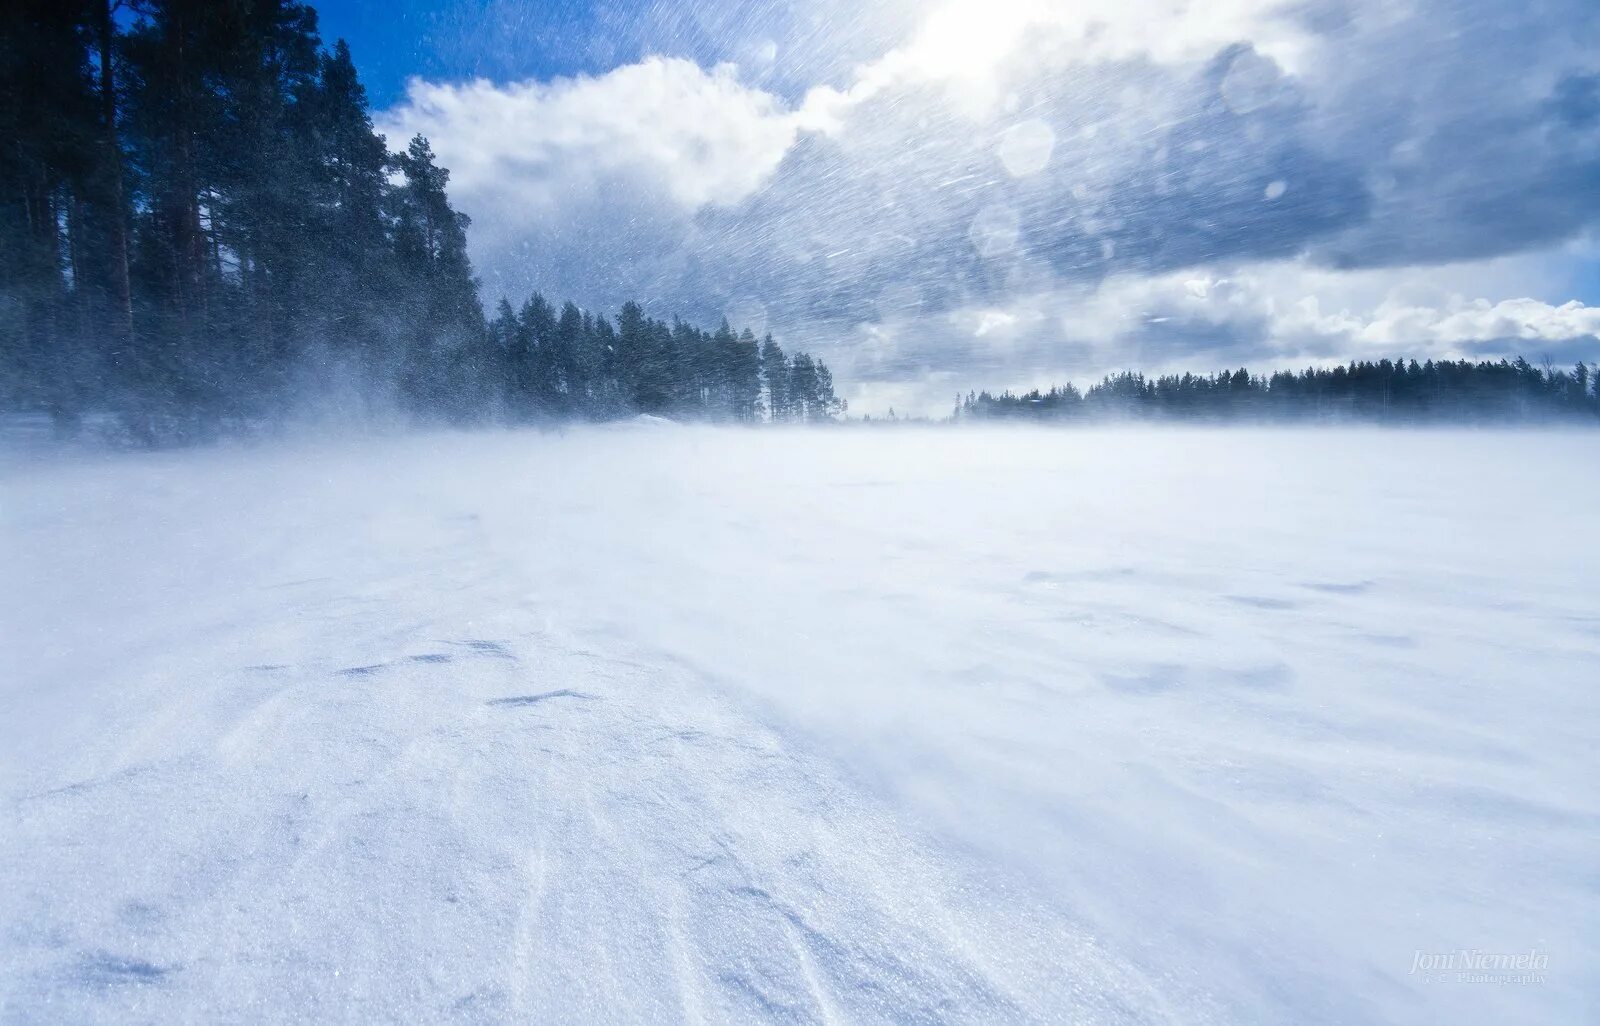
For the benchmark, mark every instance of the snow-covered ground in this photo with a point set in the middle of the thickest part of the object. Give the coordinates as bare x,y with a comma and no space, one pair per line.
660,723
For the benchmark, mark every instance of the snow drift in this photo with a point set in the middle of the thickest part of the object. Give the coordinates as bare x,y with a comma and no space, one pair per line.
910,725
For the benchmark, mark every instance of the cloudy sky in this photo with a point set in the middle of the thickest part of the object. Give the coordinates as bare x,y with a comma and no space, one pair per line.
943,194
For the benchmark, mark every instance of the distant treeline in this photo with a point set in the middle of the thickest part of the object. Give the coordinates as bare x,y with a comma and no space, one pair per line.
1397,390
571,365
199,227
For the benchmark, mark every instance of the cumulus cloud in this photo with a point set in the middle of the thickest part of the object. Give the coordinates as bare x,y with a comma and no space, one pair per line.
1026,185
586,180
1268,316
703,135
1264,316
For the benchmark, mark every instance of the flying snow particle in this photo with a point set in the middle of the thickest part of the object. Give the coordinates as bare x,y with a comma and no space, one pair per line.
1251,82
995,230
1275,189
899,301
1025,147
747,312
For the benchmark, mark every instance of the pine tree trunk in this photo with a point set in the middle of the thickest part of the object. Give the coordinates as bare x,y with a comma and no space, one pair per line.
121,290
191,290
43,293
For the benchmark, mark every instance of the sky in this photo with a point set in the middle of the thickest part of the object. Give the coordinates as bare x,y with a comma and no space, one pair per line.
956,194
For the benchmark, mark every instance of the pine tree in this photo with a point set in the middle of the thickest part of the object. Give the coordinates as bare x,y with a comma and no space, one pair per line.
775,379
352,282
803,392
48,133
744,378
825,405
197,217
632,356
445,345
570,363
538,323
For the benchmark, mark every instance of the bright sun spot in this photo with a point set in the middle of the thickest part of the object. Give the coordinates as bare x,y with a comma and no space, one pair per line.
967,39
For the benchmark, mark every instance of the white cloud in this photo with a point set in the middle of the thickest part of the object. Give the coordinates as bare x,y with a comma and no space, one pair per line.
1265,316
587,187
992,322
1479,320
1288,308
706,137
968,46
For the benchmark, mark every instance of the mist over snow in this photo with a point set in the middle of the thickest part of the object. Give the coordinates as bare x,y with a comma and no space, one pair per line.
1009,193
653,722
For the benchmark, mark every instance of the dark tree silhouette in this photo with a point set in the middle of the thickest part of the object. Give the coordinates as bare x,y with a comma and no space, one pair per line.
197,221
1397,391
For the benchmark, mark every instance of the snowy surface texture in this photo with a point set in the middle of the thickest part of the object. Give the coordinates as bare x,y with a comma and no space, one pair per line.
659,723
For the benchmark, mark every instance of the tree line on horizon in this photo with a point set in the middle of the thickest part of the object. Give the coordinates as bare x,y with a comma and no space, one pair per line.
1382,390
570,364
199,225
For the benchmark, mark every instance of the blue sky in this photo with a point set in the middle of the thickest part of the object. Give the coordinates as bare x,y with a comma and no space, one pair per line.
958,193
455,40
513,40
